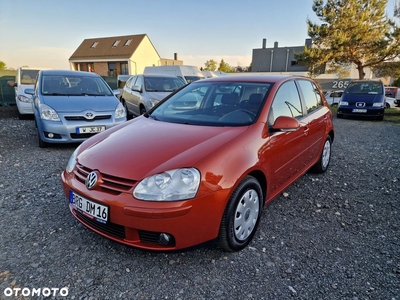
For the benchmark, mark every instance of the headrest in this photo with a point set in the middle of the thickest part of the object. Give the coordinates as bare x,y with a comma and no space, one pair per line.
255,98
230,99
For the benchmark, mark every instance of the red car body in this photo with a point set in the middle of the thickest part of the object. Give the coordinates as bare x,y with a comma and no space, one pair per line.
272,156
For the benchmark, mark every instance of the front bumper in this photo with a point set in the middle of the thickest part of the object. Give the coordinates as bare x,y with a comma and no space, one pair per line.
141,224
368,111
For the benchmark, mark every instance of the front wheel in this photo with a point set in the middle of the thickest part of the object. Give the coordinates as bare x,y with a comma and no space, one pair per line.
242,215
322,165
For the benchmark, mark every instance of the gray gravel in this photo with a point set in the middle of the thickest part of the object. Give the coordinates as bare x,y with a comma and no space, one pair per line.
330,236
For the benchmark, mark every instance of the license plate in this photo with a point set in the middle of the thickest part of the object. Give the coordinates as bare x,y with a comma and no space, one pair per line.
90,129
357,110
91,209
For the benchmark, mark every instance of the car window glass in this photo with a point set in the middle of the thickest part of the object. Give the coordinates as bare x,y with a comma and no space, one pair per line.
162,84
139,82
286,103
365,87
131,82
311,95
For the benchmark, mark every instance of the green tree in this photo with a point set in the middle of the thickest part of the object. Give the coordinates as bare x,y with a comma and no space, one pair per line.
351,32
225,67
2,65
396,82
210,65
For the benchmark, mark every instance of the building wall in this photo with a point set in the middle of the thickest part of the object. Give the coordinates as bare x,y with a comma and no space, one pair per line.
145,55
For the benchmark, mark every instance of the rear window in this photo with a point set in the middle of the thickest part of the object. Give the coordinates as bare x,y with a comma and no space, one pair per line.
28,76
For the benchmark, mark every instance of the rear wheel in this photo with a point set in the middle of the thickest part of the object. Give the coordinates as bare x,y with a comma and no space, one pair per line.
322,165
242,216
142,110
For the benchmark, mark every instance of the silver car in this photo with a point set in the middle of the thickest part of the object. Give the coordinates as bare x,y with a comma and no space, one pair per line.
71,106
142,92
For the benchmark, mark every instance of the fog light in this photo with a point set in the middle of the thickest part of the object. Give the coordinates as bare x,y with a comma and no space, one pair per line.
50,135
164,238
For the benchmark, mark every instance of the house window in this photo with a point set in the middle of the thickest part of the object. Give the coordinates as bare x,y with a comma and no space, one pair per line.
90,67
128,42
112,69
94,45
116,43
124,68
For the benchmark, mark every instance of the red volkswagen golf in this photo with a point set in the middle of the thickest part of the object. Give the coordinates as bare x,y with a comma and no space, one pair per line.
201,164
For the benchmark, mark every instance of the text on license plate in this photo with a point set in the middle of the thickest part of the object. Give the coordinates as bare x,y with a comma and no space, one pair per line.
357,110
90,129
89,208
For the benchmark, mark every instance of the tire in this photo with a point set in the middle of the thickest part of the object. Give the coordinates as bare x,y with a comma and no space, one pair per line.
128,114
241,216
42,144
339,116
323,162
142,110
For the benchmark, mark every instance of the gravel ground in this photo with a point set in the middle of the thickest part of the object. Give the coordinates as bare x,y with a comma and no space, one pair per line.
330,236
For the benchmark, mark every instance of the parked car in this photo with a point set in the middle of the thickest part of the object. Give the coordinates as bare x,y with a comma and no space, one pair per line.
364,98
390,102
176,176
71,106
142,92
25,78
184,72
333,97
393,92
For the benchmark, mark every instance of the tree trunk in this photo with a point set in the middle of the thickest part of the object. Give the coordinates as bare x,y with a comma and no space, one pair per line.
360,69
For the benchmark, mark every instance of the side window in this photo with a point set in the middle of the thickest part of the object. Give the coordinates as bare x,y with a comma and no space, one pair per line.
139,82
311,95
286,103
131,82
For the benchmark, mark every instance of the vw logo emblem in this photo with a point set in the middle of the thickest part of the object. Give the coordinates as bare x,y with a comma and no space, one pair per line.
89,115
91,180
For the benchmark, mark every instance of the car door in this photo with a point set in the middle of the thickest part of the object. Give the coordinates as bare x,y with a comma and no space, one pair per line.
127,94
316,118
137,91
286,151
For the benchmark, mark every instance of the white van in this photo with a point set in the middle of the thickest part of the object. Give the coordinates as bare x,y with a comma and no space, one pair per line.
186,73
24,79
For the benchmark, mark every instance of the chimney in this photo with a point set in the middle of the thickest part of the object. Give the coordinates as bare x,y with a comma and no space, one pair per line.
264,43
175,56
276,45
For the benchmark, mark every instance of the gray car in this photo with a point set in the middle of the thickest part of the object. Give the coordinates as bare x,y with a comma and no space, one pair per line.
142,92
71,106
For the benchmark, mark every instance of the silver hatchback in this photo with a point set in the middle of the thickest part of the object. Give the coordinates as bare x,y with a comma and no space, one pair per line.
71,106
142,92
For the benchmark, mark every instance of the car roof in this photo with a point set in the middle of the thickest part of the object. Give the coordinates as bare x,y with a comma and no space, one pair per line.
68,73
156,75
252,78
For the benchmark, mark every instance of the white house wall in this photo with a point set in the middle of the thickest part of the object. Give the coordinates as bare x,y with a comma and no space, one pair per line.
144,56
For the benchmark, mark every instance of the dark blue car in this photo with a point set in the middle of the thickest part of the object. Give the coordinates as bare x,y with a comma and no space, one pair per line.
364,98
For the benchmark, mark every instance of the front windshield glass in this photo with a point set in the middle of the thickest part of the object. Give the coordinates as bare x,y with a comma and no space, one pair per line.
214,104
162,84
74,85
28,76
366,87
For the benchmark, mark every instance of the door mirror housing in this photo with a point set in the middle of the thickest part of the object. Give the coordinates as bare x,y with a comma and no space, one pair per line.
286,124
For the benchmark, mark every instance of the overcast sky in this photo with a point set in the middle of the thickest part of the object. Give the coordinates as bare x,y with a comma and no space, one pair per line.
45,33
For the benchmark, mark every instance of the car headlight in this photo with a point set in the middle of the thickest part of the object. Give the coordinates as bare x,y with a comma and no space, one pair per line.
344,103
120,111
154,102
47,113
378,104
24,98
72,161
178,184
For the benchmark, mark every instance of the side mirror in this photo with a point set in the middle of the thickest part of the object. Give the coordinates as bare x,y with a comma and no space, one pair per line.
116,92
286,124
12,83
29,91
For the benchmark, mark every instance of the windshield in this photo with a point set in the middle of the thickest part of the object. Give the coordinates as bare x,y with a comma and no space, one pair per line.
190,79
366,87
214,104
74,85
162,84
28,76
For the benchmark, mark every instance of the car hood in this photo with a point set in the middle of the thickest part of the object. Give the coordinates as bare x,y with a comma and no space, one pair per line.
158,95
367,98
146,147
79,103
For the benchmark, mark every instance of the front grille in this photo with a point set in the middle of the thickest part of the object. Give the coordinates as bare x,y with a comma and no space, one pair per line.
153,237
82,118
112,229
110,184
